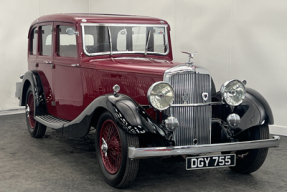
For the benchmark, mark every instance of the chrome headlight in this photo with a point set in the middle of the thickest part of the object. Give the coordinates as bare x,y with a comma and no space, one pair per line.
233,92
160,95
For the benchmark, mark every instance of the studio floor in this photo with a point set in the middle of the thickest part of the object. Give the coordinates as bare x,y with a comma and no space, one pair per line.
58,163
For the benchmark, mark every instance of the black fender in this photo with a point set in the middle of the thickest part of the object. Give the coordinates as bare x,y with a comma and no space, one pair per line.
268,115
129,116
32,78
253,111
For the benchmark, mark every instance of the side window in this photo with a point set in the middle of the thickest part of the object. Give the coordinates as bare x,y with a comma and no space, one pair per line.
66,44
33,41
46,40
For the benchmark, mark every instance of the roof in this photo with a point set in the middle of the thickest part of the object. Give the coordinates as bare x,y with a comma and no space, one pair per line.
99,18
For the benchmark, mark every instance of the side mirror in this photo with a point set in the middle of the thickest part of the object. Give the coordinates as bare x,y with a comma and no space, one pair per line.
71,31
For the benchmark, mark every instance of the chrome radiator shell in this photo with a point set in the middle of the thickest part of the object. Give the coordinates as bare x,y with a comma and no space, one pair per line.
189,84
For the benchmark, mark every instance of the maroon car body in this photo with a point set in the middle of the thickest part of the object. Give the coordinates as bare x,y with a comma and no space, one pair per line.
116,73
133,68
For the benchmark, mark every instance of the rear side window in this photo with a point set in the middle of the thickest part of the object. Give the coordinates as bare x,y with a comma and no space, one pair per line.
66,44
33,41
46,40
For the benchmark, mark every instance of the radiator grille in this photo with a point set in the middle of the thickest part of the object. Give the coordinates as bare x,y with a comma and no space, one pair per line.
194,122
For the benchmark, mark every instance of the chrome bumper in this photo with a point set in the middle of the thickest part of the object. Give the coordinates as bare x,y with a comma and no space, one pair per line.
137,153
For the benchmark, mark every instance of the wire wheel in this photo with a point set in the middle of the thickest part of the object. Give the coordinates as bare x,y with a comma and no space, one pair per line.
112,145
36,129
248,161
30,110
111,151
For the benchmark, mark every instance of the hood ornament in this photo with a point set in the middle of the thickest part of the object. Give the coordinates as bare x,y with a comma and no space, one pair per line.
190,56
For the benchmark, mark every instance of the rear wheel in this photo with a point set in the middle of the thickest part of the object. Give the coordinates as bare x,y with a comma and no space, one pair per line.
35,128
248,161
112,152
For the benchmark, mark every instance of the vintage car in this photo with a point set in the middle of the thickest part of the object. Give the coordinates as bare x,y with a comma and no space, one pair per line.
116,73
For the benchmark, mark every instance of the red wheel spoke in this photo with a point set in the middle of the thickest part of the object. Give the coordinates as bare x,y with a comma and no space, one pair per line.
115,152
30,106
109,132
115,158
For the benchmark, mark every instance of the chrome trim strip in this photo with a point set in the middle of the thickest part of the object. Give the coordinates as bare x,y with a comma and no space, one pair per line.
196,104
147,42
183,68
121,24
137,153
110,40
124,52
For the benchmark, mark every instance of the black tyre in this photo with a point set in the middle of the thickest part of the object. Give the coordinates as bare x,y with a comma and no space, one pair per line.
112,152
36,129
249,161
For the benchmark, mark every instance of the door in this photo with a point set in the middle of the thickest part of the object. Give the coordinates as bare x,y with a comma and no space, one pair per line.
33,48
44,64
67,73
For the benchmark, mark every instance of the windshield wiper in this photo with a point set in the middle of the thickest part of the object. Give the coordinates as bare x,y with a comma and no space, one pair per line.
147,42
110,39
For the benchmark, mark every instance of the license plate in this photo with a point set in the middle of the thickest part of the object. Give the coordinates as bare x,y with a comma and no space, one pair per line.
205,162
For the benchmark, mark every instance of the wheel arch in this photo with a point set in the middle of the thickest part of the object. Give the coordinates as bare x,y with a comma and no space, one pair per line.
32,78
25,87
96,115
264,108
131,117
253,111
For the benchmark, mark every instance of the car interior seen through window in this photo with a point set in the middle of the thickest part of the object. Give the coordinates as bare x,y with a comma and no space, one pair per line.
139,39
66,46
34,41
46,39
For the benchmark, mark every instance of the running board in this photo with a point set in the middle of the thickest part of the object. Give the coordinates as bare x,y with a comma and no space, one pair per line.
50,121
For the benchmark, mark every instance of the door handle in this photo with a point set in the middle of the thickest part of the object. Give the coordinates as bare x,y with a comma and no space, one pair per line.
75,65
48,62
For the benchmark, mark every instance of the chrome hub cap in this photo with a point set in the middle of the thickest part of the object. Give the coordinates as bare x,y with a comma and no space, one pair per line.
104,147
110,146
27,110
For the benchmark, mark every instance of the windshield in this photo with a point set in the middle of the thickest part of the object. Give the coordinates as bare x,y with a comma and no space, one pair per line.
101,39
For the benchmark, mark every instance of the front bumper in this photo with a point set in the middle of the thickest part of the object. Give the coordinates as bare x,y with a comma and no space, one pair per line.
137,153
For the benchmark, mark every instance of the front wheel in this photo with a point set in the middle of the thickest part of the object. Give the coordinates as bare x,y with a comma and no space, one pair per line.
112,152
248,161
36,129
